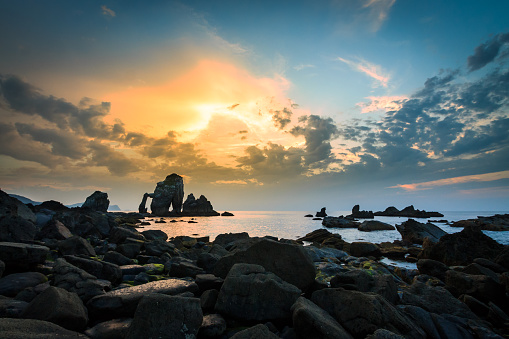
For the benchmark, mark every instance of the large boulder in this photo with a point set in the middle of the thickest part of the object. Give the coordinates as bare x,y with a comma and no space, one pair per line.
10,206
74,279
414,232
155,235
111,329
361,280
169,192
375,225
339,222
462,248
17,229
225,239
22,255
76,245
58,306
249,292
35,329
163,316
12,284
310,321
362,314
123,302
481,287
290,262
433,268
97,201
198,207
364,249
54,229
85,222
257,331
99,269
357,213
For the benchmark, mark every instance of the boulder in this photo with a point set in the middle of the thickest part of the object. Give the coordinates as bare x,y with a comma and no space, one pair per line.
58,306
119,235
257,331
227,214
208,281
318,236
361,280
163,316
374,225
461,248
74,279
364,249
433,268
54,230
155,235
130,249
249,292
159,247
22,255
208,299
384,334
497,222
97,201
362,314
123,302
213,326
12,308
36,329
321,214
12,284
100,269
423,319
290,262
14,228
414,232
198,207
310,321
339,222
225,239
86,222
183,269
112,329
117,258
12,207
76,245
481,287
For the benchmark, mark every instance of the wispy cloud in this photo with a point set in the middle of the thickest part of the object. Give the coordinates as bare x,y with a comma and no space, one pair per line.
372,70
378,11
108,11
300,67
456,180
382,103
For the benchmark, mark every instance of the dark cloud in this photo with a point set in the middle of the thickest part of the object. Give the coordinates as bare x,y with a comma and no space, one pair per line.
282,117
487,52
116,162
318,133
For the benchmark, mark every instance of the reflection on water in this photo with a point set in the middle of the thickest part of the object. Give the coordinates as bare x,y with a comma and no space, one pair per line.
292,225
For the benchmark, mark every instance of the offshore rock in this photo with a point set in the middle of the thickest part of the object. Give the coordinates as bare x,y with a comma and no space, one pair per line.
168,193
339,222
97,201
198,207
414,232
374,225
497,222
409,212
321,214
357,213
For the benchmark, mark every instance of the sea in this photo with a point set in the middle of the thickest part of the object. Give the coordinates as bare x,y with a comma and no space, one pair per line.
294,224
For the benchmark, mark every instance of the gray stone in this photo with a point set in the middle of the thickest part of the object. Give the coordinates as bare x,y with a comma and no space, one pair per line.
159,247
290,262
363,313
310,321
99,269
11,308
54,230
12,284
74,279
58,306
97,201
225,239
155,235
423,319
76,245
433,268
213,326
112,329
208,299
414,232
123,302
163,316
360,280
251,293
364,249
35,329
117,258
17,229
257,331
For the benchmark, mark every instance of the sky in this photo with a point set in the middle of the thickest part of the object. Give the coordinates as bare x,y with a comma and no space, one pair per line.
258,105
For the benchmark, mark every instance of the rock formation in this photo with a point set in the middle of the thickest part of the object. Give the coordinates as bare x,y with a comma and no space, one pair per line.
198,207
97,201
357,213
321,214
169,192
409,212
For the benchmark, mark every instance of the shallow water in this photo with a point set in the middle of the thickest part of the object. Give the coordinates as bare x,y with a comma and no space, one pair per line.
292,225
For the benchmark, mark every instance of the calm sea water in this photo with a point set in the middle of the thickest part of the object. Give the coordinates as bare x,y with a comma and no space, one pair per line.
292,225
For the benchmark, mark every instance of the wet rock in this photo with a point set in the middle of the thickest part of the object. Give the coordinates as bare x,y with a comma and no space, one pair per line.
310,321
461,248
414,232
76,245
213,326
31,328
257,331
374,225
227,238
97,201
163,316
123,302
112,329
290,262
339,222
58,306
364,249
12,284
433,268
362,314
155,235
249,292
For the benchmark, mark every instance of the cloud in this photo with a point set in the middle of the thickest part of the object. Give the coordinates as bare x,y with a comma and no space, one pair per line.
108,12
453,181
382,103
117,163
282,117
300,67
374,71
364,14
487,52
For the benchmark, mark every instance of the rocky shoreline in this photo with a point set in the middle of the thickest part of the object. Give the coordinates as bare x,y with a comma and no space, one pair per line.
86,273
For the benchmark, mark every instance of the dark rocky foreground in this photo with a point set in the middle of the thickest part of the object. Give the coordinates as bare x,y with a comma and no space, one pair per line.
78,273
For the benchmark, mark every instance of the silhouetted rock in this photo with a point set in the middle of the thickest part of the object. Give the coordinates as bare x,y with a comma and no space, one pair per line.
198,207
227,214
339,222
374,225
167,193
321,214
433,268
51,205
409,212
497,222
227,238
461,248
364,249
97,201
414,232
357,213
16,229
12,207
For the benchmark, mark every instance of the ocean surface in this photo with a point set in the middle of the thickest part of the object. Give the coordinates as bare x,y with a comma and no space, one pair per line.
293,225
